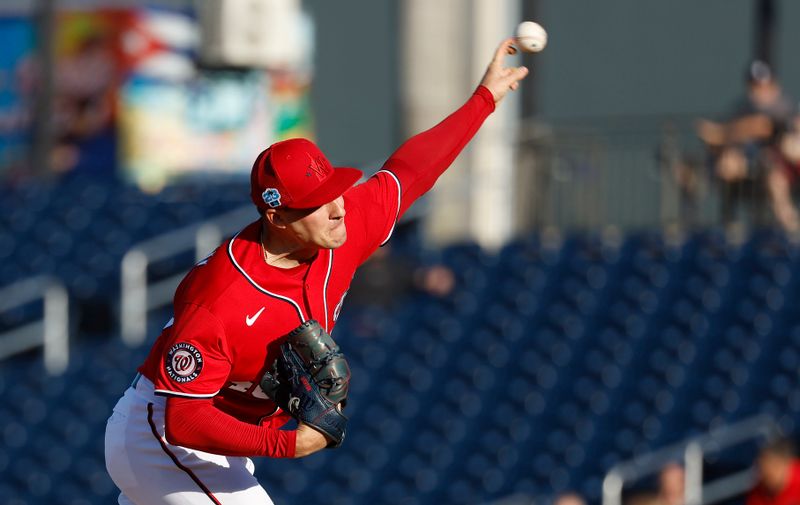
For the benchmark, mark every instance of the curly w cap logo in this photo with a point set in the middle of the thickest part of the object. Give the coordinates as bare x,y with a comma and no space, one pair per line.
184,362
271,197
318,166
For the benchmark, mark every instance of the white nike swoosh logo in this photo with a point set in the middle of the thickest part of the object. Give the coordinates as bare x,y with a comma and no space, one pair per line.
252,319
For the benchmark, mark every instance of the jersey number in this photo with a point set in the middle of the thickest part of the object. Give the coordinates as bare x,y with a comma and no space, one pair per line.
249,388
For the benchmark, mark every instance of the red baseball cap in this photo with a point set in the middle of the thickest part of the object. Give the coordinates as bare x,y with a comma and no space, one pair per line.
295,174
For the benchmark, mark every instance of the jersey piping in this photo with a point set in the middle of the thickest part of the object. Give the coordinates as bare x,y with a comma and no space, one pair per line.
399,196
166,392
325,287
257,286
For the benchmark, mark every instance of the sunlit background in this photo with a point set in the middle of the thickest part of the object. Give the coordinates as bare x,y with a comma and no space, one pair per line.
597,303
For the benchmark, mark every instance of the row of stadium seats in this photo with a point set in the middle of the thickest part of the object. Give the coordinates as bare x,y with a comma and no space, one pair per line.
79,230
547,364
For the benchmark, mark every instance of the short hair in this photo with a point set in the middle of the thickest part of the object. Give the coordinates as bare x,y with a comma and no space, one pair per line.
781,446
759,71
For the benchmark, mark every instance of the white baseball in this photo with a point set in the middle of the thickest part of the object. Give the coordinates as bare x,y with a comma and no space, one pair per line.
531,37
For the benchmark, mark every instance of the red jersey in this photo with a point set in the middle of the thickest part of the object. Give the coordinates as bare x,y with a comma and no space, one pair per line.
232,309
790,495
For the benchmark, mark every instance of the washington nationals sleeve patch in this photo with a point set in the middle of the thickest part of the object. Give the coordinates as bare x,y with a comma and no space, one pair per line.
184,362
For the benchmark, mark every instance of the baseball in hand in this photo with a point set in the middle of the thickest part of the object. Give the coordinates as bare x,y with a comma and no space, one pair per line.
531,37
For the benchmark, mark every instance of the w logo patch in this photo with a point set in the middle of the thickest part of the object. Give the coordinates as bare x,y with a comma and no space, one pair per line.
319,167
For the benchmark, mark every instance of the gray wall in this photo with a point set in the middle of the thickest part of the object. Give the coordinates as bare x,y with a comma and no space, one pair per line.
652,57
788,46
605,58
355,89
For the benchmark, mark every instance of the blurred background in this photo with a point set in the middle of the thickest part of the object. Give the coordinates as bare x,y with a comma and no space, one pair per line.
594,305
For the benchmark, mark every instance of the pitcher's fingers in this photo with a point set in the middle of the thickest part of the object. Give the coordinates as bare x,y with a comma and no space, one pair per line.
519,73
502,51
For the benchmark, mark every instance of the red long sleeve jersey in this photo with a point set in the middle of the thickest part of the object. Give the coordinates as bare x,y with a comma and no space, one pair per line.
232,309
789,495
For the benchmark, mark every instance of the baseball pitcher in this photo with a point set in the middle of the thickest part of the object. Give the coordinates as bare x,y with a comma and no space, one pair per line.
249,346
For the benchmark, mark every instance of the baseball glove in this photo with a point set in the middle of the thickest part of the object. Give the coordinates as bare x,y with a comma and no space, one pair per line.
310,380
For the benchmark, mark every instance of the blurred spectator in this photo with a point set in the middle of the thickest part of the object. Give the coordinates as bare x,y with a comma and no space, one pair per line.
687,173
782,179
671,488
671,485
745,149
386,277
778,476
643,498
569,498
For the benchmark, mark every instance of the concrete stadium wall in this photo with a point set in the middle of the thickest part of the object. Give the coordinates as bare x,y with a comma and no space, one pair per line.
648,57
355,89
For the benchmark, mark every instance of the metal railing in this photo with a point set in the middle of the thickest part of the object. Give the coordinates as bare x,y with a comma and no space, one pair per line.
51,331
630,173
692,452
138,295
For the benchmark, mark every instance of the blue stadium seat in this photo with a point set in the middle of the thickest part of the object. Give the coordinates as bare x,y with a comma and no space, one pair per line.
530,379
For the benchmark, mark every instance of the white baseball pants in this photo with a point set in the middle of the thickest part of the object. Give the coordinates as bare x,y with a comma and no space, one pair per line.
150,471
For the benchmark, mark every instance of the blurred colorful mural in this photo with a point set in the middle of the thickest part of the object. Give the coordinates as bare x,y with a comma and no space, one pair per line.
131,98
